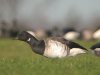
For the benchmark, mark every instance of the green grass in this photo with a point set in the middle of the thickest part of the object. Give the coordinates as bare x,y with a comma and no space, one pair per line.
17,58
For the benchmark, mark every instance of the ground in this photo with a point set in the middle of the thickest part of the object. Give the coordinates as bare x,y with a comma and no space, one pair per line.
17,58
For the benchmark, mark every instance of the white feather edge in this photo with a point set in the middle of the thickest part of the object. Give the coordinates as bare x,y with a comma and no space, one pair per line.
33,34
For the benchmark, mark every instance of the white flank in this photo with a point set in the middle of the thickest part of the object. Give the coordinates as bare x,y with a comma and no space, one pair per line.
75,51
55,49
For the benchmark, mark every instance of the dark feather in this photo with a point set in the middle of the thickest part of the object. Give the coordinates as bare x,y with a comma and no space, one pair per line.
97,45
68,43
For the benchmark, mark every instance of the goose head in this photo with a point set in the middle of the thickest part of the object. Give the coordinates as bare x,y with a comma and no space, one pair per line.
26,36
31,38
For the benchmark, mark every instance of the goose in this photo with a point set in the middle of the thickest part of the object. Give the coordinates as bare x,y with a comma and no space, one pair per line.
52,47
86,34
96,34
72,35
96,49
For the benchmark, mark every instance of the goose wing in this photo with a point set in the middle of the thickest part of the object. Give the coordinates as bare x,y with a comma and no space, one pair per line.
71,44
74,45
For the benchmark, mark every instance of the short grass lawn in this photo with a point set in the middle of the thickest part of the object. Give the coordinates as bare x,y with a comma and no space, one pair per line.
17,58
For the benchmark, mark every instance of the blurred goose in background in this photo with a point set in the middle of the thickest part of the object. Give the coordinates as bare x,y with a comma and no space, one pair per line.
72,35
41,34
96,49
86,34
96,34
53,47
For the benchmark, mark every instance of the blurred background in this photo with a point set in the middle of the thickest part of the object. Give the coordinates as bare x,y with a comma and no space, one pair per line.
79,19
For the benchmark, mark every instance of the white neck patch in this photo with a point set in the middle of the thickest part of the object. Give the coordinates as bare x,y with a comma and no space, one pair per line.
29,39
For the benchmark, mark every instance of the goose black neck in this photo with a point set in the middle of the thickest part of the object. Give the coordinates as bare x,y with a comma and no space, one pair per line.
37,46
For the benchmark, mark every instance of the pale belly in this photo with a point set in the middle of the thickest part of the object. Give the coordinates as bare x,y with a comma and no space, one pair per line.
76,51
55,49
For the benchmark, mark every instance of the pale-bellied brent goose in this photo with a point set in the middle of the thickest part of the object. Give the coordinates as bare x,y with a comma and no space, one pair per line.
51,47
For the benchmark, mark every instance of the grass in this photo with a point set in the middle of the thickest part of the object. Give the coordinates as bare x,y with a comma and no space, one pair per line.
17,58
